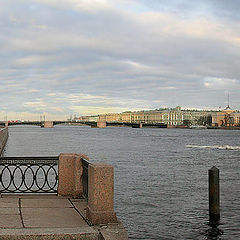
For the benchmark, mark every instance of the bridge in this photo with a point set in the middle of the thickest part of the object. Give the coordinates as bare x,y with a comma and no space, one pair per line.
44,123
99,124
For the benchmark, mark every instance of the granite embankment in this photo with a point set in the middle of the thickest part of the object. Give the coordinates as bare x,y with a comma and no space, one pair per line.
3,138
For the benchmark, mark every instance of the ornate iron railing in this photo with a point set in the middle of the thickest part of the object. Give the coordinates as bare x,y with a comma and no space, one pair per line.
28,174
85,164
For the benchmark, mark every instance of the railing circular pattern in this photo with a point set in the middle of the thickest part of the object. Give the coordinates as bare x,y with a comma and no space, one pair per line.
28,175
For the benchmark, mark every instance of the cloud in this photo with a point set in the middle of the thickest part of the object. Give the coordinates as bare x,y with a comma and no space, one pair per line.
65,57
221,83
33,60
80,5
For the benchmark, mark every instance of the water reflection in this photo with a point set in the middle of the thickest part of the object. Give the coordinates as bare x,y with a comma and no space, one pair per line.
214,232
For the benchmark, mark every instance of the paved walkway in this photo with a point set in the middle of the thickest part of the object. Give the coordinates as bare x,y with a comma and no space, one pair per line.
51,217
44,217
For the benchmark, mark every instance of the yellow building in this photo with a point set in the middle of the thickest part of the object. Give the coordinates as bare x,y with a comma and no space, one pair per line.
173,116
226,118
126,116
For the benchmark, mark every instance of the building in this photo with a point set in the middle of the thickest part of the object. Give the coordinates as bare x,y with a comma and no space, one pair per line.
88,118
226,118
171,116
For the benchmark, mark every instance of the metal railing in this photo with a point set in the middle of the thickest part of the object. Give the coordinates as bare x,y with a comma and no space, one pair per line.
28,174
85,164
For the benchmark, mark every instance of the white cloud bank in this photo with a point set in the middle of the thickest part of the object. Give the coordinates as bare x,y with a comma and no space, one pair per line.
79,56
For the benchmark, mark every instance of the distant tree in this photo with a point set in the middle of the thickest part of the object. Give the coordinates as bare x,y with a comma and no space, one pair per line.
231,121
209,120
228,120
187,122
205,120
201,120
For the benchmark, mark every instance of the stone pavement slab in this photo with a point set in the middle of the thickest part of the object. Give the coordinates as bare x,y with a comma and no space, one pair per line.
81,206
9,203
9,211
52,218
10,214
46,203
10,221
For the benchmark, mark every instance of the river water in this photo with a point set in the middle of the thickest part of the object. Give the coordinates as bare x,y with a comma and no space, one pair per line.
161,175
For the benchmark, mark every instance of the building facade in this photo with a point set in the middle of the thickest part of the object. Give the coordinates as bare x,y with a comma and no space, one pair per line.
226,118
170,116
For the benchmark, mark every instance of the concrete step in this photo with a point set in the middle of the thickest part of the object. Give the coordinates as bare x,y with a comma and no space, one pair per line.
80,233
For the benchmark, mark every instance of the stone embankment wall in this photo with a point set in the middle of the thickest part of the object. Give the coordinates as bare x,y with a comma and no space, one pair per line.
3,138
100,194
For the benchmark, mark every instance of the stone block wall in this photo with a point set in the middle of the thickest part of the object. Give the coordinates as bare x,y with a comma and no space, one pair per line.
100,208
70,172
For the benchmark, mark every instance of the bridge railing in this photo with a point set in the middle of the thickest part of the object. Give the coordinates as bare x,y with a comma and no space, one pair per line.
28,174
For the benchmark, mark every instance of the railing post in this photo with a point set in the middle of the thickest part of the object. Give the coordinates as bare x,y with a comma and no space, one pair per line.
214,200
100,209
84,178
70,173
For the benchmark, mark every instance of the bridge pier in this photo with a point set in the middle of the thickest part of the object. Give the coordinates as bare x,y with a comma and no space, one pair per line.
48,124
101,124
137,125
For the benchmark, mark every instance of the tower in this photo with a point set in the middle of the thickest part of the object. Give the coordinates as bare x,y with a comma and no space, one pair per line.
228,106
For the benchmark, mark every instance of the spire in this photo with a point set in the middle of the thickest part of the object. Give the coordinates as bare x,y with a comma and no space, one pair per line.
228,106
228,100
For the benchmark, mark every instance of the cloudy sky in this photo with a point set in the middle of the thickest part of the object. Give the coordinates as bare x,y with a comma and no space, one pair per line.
62,57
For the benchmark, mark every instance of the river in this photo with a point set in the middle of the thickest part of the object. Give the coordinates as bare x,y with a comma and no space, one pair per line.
161,175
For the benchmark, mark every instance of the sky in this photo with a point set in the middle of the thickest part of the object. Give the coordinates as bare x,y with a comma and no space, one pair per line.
64,57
